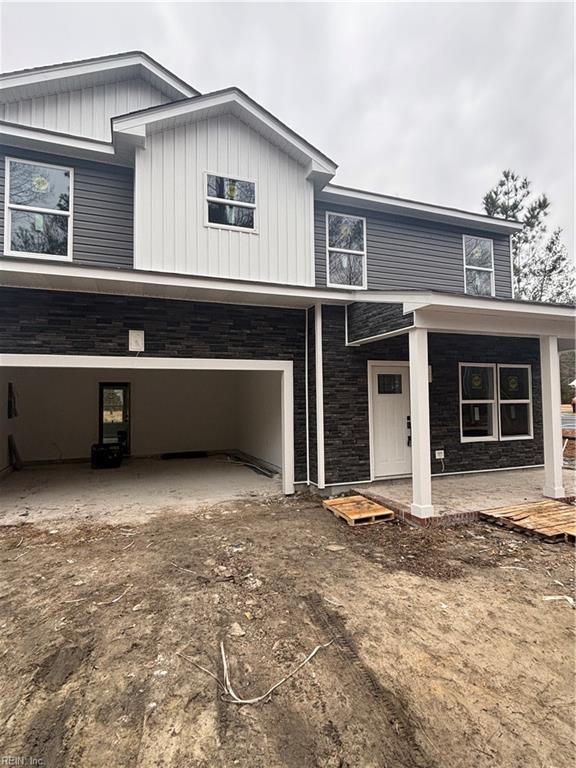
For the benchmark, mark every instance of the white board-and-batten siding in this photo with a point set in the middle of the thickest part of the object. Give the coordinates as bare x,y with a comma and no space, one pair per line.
170,205
86,111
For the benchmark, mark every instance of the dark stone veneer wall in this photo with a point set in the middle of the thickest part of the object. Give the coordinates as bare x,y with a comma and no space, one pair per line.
54,322
366,320
346,429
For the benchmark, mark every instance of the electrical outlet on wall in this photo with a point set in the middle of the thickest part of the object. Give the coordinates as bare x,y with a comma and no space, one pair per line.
136,341
439,454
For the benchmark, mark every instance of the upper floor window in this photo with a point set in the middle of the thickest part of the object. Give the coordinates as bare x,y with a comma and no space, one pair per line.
38,210
478,266
230,202
346,250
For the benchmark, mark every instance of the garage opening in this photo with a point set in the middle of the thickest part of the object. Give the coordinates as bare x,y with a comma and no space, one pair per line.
154,407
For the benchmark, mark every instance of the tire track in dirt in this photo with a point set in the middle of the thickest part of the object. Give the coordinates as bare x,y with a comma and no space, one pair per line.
381,710
51,700
276,735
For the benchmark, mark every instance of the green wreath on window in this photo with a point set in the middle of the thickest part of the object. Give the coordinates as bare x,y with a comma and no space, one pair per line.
40,184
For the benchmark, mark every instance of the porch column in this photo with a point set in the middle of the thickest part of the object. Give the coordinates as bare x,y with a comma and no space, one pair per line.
420,422
551,418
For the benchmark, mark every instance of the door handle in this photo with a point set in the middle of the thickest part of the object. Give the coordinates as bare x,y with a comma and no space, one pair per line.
409,431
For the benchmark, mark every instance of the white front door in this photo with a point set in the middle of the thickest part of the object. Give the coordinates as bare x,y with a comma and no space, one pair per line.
390,387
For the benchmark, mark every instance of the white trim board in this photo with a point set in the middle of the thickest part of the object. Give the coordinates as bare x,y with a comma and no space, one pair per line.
462,321
307,397
91,72
512,291
319,388
47,141
333,193
378,337
51,275
285,367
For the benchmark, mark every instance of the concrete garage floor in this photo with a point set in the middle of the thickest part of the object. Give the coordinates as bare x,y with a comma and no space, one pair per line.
131,493
475,492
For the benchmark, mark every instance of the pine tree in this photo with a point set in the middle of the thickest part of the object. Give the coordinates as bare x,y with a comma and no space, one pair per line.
549,276
541,265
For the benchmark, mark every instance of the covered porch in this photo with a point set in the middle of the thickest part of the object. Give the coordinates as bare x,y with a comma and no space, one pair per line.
546,328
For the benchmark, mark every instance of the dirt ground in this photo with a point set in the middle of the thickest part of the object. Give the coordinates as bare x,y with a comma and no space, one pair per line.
444,655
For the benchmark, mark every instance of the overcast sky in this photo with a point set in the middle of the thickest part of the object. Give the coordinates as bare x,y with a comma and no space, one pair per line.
426,101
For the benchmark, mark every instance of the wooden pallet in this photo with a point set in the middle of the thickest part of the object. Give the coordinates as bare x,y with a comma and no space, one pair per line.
357,510
550,520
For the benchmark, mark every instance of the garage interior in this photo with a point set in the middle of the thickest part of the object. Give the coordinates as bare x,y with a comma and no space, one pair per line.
55,415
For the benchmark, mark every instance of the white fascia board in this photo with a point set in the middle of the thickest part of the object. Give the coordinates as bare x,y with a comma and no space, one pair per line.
374,201
52,141
168,78
17,272
13,130
44,75
20,272
379,337
496,323
238,103
135,130
143,363
152,115
487,305
318,174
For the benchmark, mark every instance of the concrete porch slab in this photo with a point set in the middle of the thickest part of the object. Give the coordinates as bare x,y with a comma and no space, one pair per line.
465,494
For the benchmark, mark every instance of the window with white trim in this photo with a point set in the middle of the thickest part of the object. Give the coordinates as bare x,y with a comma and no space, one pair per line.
478,265
495,402
230,203
38,210
515,396
345,251
478,413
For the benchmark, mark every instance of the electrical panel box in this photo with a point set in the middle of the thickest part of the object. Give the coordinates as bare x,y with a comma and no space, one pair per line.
136,341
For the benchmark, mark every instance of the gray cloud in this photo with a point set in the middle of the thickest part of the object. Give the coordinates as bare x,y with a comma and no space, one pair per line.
427,101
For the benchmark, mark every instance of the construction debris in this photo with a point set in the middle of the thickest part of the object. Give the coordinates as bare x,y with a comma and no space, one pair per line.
551,520
236,630
569,600
226,685
358,510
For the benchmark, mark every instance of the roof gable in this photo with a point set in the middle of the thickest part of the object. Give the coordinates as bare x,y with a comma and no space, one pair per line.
73,75
228,101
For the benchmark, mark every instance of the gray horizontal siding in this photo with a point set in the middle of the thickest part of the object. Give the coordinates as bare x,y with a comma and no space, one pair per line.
405,253
365,320
103,210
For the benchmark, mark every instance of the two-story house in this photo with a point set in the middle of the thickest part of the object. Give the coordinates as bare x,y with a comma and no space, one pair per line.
180,272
